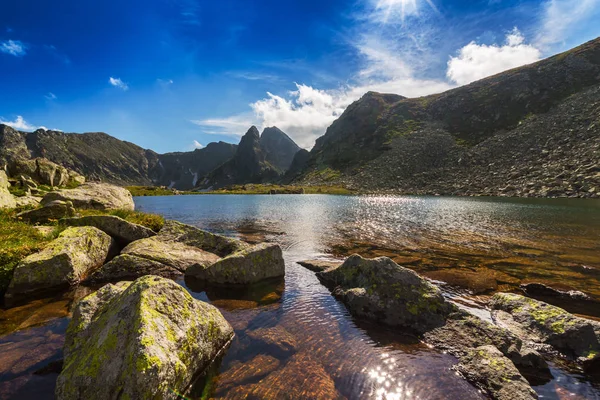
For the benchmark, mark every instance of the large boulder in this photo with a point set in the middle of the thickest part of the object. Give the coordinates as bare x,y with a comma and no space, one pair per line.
220,245
41,170
251,265
144,340
488,369
174,254
123,231
544,323
381,290
65,261
94,195
7,200
54,210
28,201
129,267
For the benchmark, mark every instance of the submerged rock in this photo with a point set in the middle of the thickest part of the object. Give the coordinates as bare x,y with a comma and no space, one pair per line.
541,290
65,261
488,369
222,246
173,254
54,210
251,265
247,372
276,339
382,291
140,340
129,267
319,265
123,231
543,323
97,196
7,200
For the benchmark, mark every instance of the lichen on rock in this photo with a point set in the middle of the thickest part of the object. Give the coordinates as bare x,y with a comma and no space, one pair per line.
94,195
146,339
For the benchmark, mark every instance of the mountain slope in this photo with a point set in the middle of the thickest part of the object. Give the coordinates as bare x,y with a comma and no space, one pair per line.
514,133
279,148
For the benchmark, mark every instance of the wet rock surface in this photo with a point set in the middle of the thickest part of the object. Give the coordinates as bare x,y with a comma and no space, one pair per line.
487,368
381,290
64,262
259,262
319,265
145,339
52,211
94,195
123,231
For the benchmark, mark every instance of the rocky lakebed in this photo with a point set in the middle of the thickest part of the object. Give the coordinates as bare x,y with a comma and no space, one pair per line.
111,309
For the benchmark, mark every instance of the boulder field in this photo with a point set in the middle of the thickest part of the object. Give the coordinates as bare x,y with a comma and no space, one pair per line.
492,355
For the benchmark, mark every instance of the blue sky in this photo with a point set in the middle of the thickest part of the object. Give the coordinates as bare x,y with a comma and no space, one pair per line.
174,74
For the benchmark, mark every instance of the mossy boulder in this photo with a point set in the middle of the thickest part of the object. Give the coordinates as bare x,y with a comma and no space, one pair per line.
7,200
129,267
251,265
220,245
380,290
144,340
94,195
488,369
544,323
28,201
122,231
54,210
63,262
174,254
42,170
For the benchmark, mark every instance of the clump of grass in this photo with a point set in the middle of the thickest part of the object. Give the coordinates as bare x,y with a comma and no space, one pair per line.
19,240
152,221
266,189
149,191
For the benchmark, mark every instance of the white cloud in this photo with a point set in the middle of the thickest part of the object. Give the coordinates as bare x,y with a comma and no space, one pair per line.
117,82
236,125
560,17
390,11
50,96
197,145
20,124
13,47
477,61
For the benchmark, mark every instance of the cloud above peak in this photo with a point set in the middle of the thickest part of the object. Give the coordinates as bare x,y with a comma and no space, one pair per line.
117,82
20,124
477,61
13,47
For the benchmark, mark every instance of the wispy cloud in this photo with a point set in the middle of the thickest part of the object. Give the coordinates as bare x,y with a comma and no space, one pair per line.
117,82
197,145
50,96
477,61
235,125
254,76
559,17
13,47
54,52
20,124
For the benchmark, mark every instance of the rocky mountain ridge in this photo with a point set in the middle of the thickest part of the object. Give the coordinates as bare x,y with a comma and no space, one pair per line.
530,131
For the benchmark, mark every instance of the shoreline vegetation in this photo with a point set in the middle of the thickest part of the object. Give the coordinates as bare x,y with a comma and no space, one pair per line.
243,189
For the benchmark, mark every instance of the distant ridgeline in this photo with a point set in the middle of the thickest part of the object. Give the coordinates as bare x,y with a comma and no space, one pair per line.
530,131
98,156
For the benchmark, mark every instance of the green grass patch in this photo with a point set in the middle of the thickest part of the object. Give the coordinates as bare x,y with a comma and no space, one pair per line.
281,189
149,191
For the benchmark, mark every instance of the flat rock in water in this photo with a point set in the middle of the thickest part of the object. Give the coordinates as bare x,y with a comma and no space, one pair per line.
53,210
65,261
302,377
544,323
319,265
247,372
222,246
129,267
7,200
259,262
382,291
488,369
277,339
94,195
123,231
142,340
173,254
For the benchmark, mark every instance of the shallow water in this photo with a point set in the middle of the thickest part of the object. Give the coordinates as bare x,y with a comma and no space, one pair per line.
287,329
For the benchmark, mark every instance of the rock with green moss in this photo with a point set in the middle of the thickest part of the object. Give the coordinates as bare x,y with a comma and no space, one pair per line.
251,265
464,332
7,200
42,170
63,262
381,290
144,340
94,195
28,201
52,211
222,246
122,231
129,267
544,323
488,369
174,254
